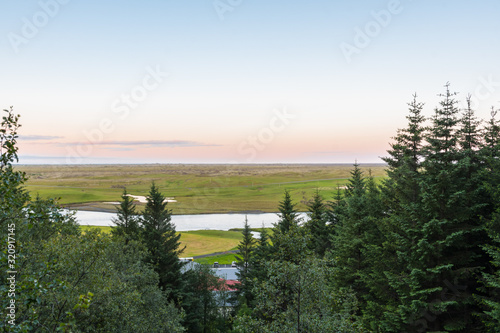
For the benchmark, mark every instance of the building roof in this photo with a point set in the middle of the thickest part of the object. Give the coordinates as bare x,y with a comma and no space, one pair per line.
226,273
231,285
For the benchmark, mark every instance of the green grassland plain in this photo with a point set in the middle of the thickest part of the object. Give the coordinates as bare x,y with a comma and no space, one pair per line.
197,188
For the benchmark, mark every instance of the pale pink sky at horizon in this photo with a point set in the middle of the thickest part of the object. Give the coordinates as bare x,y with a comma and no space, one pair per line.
267,82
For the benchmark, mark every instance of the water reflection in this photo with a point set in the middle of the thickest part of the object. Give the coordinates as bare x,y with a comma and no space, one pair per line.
192,222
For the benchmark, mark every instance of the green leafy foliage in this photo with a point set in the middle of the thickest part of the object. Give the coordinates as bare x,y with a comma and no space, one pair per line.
296,297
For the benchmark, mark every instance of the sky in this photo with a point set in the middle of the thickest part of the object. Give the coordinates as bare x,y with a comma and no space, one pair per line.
236,81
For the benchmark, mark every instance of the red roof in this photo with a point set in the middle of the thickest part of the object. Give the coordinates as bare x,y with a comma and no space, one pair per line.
229,284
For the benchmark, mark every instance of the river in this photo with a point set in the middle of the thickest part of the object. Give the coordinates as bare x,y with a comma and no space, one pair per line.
192,222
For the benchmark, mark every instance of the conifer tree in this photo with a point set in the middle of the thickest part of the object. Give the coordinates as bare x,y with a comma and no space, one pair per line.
358,239
243,259
317,226
127,220
334,212
492,136
257,265
347,248
491,301
402,226
288,217
377,259
288,214
447,248
356,184
162,242
404,161
347,240
469,133
491,154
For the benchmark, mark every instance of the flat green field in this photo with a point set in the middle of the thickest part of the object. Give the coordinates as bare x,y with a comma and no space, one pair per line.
200,242
197,188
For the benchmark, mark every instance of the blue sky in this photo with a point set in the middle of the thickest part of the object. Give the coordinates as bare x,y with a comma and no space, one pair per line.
236,81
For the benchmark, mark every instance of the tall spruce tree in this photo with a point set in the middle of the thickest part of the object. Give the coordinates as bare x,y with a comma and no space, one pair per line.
491,276
357,239
491,135
347,242
335,211
470,164
243,259
377,260
317,226
402,226
491,316
404,161
442,278
490,157
257,265
127,220
356,184
288,215
162,242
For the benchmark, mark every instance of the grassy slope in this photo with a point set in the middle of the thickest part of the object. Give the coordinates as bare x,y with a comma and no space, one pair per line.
208,241
198,188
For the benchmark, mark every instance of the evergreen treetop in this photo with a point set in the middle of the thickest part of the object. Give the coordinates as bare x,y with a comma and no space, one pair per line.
127,220
162,242
288,215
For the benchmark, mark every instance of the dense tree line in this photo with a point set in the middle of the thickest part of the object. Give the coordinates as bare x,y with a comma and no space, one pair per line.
418,251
